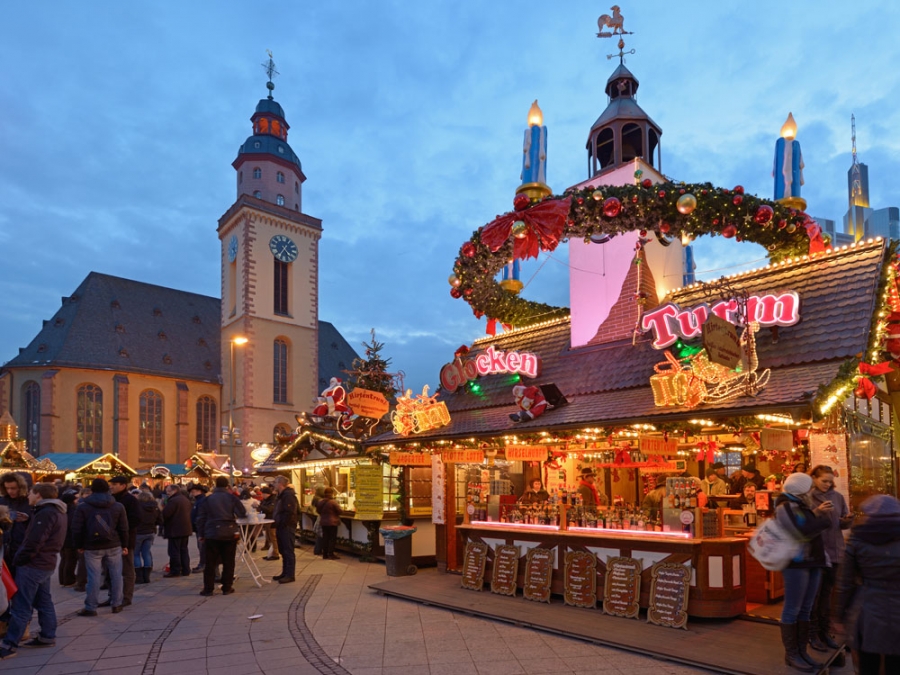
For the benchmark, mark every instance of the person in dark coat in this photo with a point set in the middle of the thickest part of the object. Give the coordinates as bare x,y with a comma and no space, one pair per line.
198,494
833,538
795,513
69,554
14,494
330,517
151,518
178,528
35,561
868,588
118,488
267,508
218,531
286,513
747,474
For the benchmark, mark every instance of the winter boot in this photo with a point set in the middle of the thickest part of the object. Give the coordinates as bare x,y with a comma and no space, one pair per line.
139,575
791,653
803,641
147,571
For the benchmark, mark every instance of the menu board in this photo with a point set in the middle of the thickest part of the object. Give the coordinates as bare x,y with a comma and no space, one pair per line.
538,574
473,565
581,579
831,450
506,570
369,504
669,595
622,587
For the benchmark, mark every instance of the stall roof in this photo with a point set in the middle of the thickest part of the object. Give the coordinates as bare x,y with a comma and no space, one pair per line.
174,469
610,383
76,461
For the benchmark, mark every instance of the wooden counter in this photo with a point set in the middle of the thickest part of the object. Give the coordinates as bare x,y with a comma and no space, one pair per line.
718,584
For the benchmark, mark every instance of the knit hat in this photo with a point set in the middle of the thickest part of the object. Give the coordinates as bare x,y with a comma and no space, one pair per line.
880,505
120,480
99,485
798,484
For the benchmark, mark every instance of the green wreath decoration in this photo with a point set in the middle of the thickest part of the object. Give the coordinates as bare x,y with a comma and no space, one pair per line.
668,210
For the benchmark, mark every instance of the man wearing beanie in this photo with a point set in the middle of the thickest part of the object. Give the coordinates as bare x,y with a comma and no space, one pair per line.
100,531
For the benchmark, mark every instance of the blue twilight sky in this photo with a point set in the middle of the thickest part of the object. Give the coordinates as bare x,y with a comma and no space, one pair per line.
119,122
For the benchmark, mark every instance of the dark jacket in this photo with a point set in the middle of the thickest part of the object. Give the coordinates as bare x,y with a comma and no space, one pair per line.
218,515
286,510
838,519
792,512
70,518
869,584
177,516
86,518
267,506
151,517
45,536
132,512
15,535
329,512
195,510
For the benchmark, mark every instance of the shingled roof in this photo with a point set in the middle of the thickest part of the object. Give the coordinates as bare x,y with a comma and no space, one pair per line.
129,326
609,384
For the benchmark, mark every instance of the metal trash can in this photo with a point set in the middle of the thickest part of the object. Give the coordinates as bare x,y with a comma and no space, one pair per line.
398,550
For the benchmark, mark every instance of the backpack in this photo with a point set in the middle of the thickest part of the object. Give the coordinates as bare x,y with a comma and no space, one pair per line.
774,546
100,528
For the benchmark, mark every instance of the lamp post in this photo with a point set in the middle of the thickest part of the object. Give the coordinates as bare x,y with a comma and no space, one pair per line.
239,341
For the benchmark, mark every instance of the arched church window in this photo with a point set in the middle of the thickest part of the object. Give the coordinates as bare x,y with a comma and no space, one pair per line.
150,416
606,154
632,142
297,187
257,172
279,200
262,126
280,371
207,423
89,419
257,194
279,177
31,405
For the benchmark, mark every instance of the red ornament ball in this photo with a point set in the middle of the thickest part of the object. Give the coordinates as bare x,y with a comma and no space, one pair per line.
521,202
612,207
729,231
782,224
738,189
704,192
682,191
634,199
455,293
737,199
468,249
764,214
468,292
664,228
647,183
715,221
661,194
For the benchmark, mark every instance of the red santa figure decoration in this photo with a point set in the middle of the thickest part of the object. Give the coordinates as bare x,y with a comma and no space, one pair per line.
531,403
892,336
332,402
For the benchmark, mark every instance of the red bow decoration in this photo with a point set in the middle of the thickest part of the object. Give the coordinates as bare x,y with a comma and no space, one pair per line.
461,352
545,224
492,327
706,450
623,455
866,388
814,232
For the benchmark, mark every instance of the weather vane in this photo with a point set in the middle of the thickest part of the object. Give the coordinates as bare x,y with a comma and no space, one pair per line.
271,72
615,22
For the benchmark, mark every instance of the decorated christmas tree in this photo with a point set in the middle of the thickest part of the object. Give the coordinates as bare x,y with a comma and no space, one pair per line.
372,372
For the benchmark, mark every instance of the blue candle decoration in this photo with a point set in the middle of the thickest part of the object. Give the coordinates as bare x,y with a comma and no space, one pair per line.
788,169
511,271
534,162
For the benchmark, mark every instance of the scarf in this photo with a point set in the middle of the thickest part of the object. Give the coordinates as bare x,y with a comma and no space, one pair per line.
594,490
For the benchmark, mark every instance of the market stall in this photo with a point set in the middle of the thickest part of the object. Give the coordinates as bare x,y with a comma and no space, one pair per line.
80,466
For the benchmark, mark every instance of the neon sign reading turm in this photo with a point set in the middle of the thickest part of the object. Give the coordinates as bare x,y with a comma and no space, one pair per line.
669,322
490,362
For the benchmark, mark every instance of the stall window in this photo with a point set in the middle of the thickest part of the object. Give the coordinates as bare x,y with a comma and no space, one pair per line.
89,419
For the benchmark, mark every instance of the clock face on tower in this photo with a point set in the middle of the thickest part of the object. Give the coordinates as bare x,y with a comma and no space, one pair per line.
283,248
232,248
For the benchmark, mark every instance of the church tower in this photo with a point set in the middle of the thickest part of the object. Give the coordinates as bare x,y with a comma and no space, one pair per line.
270,256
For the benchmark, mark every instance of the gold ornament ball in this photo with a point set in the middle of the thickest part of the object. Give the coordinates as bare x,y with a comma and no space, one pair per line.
686,203
791,228
826,238
454,281
597,195
519,229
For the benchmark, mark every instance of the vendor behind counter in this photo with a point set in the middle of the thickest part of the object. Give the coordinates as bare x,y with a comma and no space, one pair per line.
536,494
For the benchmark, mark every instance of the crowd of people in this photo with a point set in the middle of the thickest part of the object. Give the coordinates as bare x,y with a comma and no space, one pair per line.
100,536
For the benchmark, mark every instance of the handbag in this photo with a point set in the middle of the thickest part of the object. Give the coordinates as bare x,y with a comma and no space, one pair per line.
773,546
9,588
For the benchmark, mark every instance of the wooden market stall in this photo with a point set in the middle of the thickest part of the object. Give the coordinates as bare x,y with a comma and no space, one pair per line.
82,466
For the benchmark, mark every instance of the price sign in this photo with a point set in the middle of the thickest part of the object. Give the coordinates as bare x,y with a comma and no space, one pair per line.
506,570
622,587
669,595
473,565
369,503
538,574
581,579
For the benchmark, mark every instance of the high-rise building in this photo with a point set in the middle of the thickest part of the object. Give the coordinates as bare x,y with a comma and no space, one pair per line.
883,223
857,193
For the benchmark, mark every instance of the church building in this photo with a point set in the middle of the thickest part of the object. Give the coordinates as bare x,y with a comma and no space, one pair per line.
154,374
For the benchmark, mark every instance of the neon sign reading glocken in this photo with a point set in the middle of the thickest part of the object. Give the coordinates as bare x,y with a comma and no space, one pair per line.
669,322
490,362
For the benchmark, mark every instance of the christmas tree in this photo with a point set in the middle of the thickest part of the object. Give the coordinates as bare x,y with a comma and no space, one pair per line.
372,372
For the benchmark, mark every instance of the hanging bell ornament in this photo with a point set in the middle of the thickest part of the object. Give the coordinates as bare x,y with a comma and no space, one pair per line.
519,229
454,281
686,204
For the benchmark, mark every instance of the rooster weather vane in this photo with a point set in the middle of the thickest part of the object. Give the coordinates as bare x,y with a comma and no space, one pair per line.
616,23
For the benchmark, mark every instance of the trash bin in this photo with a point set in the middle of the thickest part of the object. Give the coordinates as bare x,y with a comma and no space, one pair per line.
398,550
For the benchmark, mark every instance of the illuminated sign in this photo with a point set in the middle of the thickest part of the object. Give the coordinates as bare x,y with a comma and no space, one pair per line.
669,322
462,456
367,403
409,459
526,453
102,465
491,361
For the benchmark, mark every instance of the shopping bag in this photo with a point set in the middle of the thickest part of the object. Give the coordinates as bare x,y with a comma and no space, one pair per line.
773,546
8,588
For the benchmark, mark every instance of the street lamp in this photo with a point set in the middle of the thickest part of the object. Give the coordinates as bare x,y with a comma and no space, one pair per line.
240,341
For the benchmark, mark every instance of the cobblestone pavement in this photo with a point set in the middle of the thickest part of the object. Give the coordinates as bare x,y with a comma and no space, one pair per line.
328,621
